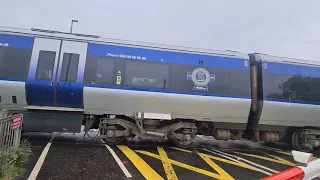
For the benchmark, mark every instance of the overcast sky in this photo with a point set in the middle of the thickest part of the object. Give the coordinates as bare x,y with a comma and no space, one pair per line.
288,28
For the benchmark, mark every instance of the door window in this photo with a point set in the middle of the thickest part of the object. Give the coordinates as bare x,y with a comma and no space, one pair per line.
45,65
69,69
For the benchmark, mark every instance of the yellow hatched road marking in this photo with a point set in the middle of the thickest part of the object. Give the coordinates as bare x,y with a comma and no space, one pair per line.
180,149
202,155
278,150
221,172
276,158
171,175
186,166
139,163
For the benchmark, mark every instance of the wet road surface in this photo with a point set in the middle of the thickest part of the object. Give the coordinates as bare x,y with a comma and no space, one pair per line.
68,156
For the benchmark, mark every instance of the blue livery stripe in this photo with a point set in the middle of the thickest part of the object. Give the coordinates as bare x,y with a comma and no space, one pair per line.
163,91
292,69
16,41
291,101
166,56
12,79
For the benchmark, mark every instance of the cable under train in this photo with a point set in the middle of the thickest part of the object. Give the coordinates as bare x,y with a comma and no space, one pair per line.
61,81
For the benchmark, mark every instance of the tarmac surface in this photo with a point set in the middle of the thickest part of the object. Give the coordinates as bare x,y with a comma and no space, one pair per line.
68,156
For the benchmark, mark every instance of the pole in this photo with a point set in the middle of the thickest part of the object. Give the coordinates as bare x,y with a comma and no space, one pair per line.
72,25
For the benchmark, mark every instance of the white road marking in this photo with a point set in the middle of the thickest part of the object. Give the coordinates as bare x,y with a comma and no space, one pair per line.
235,160
115,156
37,167
245,160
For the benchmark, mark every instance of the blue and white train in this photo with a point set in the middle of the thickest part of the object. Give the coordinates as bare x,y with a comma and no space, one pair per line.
61,81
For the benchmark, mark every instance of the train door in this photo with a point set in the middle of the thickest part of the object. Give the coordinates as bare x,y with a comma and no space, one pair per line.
70,74
56,73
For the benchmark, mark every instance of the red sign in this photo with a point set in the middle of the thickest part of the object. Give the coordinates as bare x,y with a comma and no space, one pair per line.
16,121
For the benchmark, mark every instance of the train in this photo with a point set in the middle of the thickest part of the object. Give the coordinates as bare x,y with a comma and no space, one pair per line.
62,81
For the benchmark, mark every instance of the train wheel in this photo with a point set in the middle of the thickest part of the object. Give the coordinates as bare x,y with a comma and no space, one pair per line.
186,142
109,139
182,143
113,140
298,144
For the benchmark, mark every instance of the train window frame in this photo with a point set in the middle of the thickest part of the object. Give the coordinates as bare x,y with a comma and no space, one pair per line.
66,75
39,63
19,59
91,70
163,84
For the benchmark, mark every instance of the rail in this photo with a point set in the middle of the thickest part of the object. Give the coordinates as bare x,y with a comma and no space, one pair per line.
10,133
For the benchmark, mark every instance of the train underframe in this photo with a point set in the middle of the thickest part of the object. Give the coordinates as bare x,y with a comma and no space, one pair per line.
115,129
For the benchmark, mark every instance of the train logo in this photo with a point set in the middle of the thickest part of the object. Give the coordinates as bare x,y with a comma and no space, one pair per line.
201,78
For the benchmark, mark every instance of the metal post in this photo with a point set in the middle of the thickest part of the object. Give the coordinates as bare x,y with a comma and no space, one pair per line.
72,25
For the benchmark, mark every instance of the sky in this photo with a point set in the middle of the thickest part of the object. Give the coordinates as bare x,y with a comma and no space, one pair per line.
289,28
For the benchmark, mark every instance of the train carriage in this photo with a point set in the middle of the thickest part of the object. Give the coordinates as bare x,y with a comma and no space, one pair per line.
60,81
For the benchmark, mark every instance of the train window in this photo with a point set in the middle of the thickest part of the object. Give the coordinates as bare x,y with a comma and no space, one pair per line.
69,69
315,89
99,70
240,83
14,62
147,74
45,65
276,85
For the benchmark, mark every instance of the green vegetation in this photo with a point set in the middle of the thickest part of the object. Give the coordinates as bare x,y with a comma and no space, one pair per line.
15,161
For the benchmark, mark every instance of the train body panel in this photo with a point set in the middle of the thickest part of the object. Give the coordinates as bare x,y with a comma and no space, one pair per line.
290,114
289,91
13,95
202,108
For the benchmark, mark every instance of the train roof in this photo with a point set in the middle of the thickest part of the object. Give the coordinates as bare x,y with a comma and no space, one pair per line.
98,39
304,62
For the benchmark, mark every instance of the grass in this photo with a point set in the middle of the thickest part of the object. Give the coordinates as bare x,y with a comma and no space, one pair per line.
15,160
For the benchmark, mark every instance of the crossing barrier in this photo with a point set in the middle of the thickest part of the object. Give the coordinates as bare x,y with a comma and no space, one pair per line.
307,168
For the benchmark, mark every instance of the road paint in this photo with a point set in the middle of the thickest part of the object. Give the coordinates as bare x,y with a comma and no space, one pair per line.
215,166
36,169
237,162
242,159
139,163
276,158
114,155
180,149
171,174
185,166
277,150
202,137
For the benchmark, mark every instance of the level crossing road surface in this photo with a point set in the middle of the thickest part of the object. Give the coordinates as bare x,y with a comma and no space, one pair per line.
69,156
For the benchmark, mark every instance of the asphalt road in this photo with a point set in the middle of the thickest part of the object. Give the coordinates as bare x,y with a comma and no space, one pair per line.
68,156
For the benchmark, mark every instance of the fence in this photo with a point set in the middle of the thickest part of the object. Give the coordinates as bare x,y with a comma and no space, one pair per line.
10,133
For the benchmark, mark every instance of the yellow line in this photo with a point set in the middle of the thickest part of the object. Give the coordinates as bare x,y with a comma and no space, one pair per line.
180,149
202,137
277,159
278,151
171,175
177,163
221,172
139,163
228,161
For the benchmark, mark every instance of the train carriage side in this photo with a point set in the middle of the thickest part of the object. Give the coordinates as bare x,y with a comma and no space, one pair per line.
15,55
212,89
289,98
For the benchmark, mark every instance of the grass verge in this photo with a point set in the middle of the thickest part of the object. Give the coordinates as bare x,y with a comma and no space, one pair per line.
15,160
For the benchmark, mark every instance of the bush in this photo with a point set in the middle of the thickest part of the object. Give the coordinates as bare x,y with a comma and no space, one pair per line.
15,160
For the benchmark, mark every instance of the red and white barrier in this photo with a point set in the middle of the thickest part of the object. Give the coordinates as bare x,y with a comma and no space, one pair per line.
308,172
